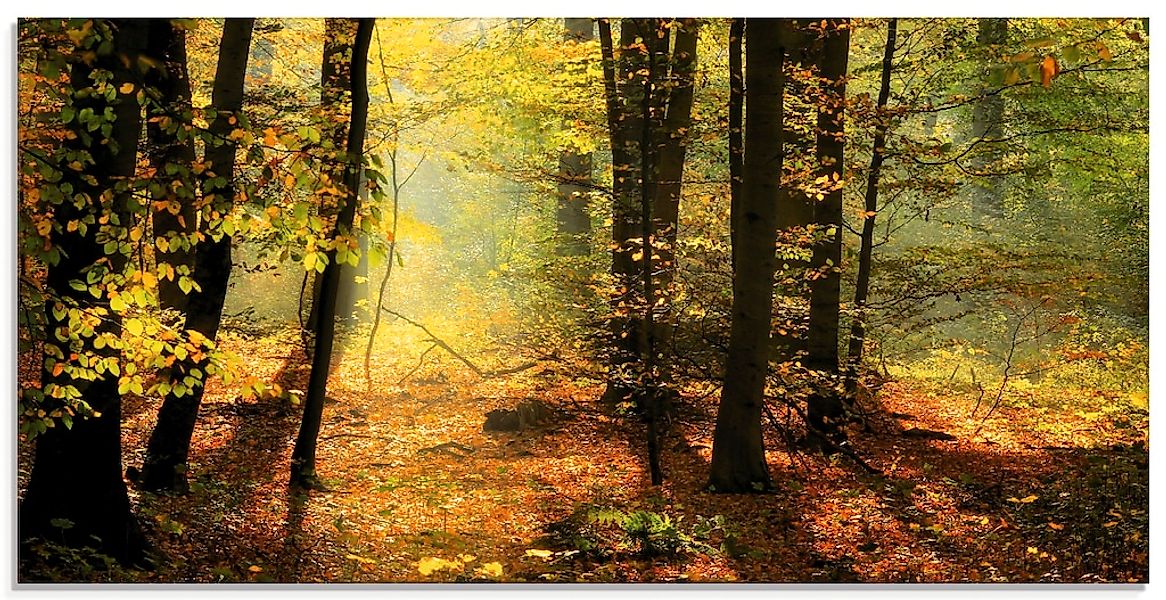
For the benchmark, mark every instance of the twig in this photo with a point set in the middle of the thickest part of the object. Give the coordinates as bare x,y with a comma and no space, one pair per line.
438,342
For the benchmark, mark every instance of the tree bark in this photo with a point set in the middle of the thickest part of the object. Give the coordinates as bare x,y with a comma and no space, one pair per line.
303,469
988,123
76,473
736,144
625,96
574,220
167,453
173,189
797,206
826,286
738,461
671,149
871,207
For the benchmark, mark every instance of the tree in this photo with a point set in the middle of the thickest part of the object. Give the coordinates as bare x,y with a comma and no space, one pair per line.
573,219
76,494
987,125
871,207
738,461
826,285
303,469
673,85
170,147
625,88
165,464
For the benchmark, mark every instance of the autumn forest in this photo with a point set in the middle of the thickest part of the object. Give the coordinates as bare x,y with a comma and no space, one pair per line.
582,300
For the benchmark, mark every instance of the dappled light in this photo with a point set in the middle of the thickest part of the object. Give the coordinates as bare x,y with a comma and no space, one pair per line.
545,300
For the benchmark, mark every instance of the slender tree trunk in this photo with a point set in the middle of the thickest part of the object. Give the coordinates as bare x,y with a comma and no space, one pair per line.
76,474
797,206
574,221
738,461
303,470
736,144
871,207
171,157
625,88
987,123
168,450
671,148
334,75
826,286
647,330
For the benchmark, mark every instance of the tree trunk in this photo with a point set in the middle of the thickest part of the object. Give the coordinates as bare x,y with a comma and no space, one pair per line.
165,465
625,88
870,208
797,206
76,477
826,286
987,123
173,189
303,470
738,461
574,221
736,145
671,148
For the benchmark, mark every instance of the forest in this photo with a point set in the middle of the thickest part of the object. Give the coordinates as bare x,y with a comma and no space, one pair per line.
582,300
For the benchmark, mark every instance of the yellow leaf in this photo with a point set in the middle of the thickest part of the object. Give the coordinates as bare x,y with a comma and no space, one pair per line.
1032,550
539,553
429,564
255,568
149,280
491,569
126,88
1055,526
1028,499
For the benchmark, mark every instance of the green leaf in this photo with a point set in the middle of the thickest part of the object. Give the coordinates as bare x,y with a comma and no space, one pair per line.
67,114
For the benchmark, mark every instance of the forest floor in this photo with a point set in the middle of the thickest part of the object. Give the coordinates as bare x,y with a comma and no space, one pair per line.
420,493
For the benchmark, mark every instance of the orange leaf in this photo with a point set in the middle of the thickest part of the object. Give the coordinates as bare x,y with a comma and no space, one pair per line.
1048,69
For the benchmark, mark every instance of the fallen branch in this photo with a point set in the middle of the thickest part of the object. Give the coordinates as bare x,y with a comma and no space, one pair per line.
843,449
438,342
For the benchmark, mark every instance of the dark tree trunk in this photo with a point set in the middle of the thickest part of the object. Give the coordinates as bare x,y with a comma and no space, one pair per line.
334,83
171,157
736,145
870,208
303,470
574,221
76,472
738,461
797,206
987,123
826,286
647,330
671,148
625,88
168,450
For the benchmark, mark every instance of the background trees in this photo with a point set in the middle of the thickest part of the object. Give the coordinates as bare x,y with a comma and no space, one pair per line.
603,220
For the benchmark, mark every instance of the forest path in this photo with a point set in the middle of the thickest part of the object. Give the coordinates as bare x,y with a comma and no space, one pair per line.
420,493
